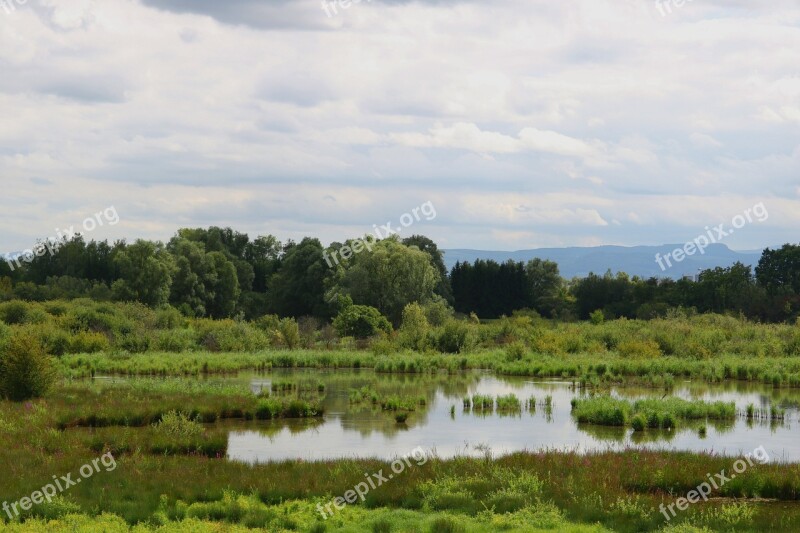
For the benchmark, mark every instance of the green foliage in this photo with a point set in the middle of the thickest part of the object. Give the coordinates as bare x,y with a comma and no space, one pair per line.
516,351
456,336
25,369
361,322
14,312
414,330
597,317
178,424
289,333
228,336
145,274
652,413
298,288
437,311
388,278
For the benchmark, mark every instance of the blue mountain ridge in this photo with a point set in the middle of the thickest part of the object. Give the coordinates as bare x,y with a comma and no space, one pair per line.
634,260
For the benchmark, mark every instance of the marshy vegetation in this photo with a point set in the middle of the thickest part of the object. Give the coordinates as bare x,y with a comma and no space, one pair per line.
649,413
161,412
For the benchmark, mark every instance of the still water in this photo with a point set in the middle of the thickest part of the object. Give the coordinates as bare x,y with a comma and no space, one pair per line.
445,427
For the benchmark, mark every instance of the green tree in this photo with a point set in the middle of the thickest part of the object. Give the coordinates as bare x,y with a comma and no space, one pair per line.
427,245
298,288
778,271
193,274
361,322
544,283
388,278
145,273
225,288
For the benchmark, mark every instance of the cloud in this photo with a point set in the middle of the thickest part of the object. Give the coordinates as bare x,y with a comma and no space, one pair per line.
599,120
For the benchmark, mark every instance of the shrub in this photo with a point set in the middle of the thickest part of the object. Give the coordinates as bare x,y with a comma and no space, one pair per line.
267,323
289,333
169,318
455,337
639,349
26,371
135,342
382,345
361,322
414,329
597,317
515,351
88,342
308,326
177,424
175,340
228,336
437,311
14,312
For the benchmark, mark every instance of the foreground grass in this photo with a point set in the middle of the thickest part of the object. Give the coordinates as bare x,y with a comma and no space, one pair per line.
180,488
300,516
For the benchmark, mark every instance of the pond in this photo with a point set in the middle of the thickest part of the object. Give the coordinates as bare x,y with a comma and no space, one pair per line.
444,426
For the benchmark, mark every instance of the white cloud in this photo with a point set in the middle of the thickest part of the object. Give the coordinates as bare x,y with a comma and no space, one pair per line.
192,112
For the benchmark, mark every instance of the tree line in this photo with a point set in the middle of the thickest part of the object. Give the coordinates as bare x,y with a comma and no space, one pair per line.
220,273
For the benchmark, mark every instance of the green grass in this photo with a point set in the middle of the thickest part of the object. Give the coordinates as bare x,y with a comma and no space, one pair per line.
508,403
171,457
650,413
482,403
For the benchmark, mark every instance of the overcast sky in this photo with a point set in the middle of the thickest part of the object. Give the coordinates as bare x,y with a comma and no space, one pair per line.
526,123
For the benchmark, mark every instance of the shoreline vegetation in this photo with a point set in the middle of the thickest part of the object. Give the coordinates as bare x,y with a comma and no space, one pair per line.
165,428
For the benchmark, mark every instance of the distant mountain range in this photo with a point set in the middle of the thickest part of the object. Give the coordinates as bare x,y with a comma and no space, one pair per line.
635,260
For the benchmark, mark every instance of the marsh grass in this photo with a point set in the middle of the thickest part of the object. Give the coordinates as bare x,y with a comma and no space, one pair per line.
482,403
648,413
508,404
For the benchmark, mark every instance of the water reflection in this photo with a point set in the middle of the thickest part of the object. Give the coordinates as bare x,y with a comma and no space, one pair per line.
444,424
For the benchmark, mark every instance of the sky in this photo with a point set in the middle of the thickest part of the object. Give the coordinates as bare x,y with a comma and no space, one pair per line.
525,123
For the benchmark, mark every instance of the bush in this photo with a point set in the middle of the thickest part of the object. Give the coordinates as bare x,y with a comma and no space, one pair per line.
14,312
88,342
289,333
229,336
639,349
437,311
515,351
169,318
174,340
177,424
361,322
455,337
414,329
26,371
597,317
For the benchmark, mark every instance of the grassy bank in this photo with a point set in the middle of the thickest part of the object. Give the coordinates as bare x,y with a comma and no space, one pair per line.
586,370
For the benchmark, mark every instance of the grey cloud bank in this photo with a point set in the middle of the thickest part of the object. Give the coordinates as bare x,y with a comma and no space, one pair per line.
229,113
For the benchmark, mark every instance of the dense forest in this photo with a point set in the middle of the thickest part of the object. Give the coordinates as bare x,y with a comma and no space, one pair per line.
222,273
